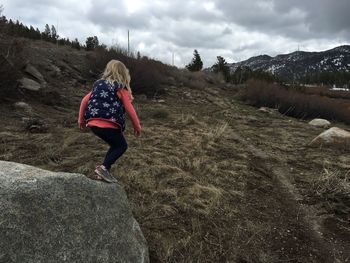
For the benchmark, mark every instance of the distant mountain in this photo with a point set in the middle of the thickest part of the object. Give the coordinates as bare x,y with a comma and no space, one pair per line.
298,64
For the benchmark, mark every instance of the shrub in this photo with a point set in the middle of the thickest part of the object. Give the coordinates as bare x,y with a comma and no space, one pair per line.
294,103
334,186
146,74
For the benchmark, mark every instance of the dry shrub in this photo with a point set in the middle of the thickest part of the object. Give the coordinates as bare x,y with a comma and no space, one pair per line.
196,80
199,198
334,186
325,91
147,74
294,103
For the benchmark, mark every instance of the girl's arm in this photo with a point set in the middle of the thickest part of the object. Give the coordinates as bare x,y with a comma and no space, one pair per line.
123,94
83,104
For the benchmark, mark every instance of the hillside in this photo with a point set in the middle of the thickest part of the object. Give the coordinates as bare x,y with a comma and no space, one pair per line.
298,64
210,180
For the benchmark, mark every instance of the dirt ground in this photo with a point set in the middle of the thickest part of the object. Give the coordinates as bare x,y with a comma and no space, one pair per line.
210,180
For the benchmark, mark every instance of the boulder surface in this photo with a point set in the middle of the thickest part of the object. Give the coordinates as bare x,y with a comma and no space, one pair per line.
29,84
335,137
64,217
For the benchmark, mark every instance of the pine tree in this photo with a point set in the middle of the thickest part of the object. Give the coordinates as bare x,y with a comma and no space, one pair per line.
221,66
47,32
196,63
54,35
76,44
92,43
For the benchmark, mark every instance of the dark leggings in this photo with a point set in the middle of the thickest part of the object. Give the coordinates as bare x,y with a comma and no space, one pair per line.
116,141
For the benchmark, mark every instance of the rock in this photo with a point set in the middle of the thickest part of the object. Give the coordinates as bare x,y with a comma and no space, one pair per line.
23,106
33,72
322,123
29,84
64,217
333,137
267,110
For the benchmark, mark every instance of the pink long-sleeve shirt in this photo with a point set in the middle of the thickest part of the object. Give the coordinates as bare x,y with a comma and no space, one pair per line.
124,96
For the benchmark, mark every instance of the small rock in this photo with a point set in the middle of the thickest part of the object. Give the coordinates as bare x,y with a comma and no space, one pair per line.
29,84
335,137
322,123
24,106
267,110
161,101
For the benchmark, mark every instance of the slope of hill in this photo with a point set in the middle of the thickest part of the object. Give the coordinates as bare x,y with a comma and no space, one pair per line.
300,63
210,180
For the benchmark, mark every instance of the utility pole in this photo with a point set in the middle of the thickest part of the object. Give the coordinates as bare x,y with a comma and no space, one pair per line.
128,43
57,34
173,58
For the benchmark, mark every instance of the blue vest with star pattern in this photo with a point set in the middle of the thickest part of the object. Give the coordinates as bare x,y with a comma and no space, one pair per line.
105,104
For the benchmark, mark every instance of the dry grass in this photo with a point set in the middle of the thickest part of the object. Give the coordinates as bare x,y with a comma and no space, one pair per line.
334,187
188,178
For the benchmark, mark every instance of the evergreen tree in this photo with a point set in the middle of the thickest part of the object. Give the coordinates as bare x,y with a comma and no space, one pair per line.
221,66
196,63
92,43
47,32
54,35
76,44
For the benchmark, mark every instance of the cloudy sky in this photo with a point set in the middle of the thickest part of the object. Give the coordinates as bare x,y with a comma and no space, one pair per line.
234,29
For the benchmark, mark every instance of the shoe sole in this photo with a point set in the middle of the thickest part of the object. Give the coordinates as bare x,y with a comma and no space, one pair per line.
106,178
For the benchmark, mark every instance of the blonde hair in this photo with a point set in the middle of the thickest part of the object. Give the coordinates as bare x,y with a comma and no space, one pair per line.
117,71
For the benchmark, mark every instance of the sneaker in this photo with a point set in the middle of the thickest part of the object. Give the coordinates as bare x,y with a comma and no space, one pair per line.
103,172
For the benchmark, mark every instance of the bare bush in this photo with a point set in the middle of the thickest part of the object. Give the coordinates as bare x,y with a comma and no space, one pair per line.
334,186
294,103
147,75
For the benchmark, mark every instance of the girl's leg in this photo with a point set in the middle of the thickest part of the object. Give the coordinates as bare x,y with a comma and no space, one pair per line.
116,141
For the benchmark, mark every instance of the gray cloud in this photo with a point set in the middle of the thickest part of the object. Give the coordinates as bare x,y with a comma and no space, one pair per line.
298,19
235,29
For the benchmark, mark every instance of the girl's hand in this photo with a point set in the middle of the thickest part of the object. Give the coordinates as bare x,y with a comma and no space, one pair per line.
81,125
137,132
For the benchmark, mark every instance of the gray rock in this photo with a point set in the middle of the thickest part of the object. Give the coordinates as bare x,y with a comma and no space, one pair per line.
267,110
29,84
32,71
63,217
23,106
322,123
334,137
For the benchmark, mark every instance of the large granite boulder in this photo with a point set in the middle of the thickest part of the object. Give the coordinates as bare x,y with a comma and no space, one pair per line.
334,137
63,217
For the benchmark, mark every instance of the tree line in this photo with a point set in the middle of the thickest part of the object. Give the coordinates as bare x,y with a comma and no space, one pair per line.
238,76
49,34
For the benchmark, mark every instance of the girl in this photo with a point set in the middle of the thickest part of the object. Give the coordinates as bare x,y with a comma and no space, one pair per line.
103,110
